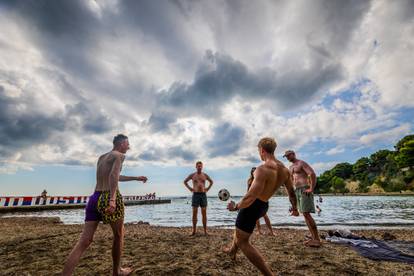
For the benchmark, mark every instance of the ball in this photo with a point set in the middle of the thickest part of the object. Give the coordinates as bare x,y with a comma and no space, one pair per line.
223,194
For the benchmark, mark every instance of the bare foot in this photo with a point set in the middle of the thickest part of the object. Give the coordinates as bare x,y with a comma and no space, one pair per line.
312,243
192,234
272,234
124,271
231,252
205,234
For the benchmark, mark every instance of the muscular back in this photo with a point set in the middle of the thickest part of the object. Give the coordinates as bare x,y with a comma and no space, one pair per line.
104,169
273,174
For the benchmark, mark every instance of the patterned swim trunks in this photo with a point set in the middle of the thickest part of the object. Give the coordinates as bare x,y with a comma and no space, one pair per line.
103,204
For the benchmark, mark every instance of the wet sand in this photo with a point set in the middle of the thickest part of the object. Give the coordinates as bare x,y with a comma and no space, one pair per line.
39,246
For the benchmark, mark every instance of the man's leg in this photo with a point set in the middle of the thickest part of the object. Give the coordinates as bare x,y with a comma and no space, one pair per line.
195,210
313,230
232,250
269,225
80,247
117,247
242,241
204,215
258,226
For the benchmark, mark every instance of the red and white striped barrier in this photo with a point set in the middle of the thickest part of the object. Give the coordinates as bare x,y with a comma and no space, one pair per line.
18,201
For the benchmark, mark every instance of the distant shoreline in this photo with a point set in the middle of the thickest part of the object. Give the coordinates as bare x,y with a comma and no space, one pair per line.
369,194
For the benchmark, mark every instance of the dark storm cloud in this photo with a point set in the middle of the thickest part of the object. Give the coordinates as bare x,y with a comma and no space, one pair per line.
23,124
65,30
21,128
69,35
160,121
150,155
91,118
163,23
227,139
220,78
179,152
329,26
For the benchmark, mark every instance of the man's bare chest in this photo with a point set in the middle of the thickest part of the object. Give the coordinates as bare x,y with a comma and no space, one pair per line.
199,178
297,169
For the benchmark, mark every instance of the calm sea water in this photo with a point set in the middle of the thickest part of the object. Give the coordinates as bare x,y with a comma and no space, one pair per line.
356,212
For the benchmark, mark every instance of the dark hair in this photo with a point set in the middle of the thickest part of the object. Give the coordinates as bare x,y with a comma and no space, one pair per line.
252,171
199,162
268,144
251,178
119,139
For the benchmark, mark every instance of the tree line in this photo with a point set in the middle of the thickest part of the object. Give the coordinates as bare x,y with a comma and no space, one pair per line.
383,171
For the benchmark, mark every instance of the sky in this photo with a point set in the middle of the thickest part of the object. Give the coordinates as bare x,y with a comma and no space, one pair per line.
197,80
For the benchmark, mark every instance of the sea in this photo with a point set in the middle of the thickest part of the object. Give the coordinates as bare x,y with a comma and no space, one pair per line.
350,212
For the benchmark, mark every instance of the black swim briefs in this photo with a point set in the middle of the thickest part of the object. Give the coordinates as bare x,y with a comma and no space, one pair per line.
247,217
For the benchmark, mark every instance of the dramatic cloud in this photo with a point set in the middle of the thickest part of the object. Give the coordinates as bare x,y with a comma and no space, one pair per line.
226,140
189,80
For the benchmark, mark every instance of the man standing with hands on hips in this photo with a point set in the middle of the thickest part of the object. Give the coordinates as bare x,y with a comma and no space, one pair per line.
199,191
304,181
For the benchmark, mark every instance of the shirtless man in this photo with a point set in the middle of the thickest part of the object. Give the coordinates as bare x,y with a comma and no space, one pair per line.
199,191
304,181
268,177
105,204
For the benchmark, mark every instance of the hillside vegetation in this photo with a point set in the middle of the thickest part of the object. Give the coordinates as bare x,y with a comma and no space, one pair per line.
383,171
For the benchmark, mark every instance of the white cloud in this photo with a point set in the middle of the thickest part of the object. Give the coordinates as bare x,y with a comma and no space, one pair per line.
335,150
391,135
320,167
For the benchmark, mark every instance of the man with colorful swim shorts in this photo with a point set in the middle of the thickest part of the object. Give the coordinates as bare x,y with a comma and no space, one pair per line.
304,181
268,177
199,191
106,205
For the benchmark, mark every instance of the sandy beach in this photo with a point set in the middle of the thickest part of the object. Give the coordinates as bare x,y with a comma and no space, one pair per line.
39,246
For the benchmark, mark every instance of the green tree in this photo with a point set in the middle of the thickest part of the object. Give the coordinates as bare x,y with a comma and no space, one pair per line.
361,168
405,155
323,183
379,160
342,170
338,184
405,139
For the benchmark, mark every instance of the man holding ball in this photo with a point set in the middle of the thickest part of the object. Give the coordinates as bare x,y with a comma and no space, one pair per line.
199,191
268,177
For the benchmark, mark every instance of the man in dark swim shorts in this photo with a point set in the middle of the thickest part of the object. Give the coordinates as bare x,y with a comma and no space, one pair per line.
199,191
268,177
106,205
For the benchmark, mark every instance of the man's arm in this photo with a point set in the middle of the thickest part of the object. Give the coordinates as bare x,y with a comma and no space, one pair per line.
255,190
186,182
210,181
292,196
311,176
124,178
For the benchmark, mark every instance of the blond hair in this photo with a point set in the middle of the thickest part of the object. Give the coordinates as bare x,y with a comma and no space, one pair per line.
267,144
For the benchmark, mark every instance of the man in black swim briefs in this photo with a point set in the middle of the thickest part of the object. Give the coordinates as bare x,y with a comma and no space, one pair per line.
268,177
